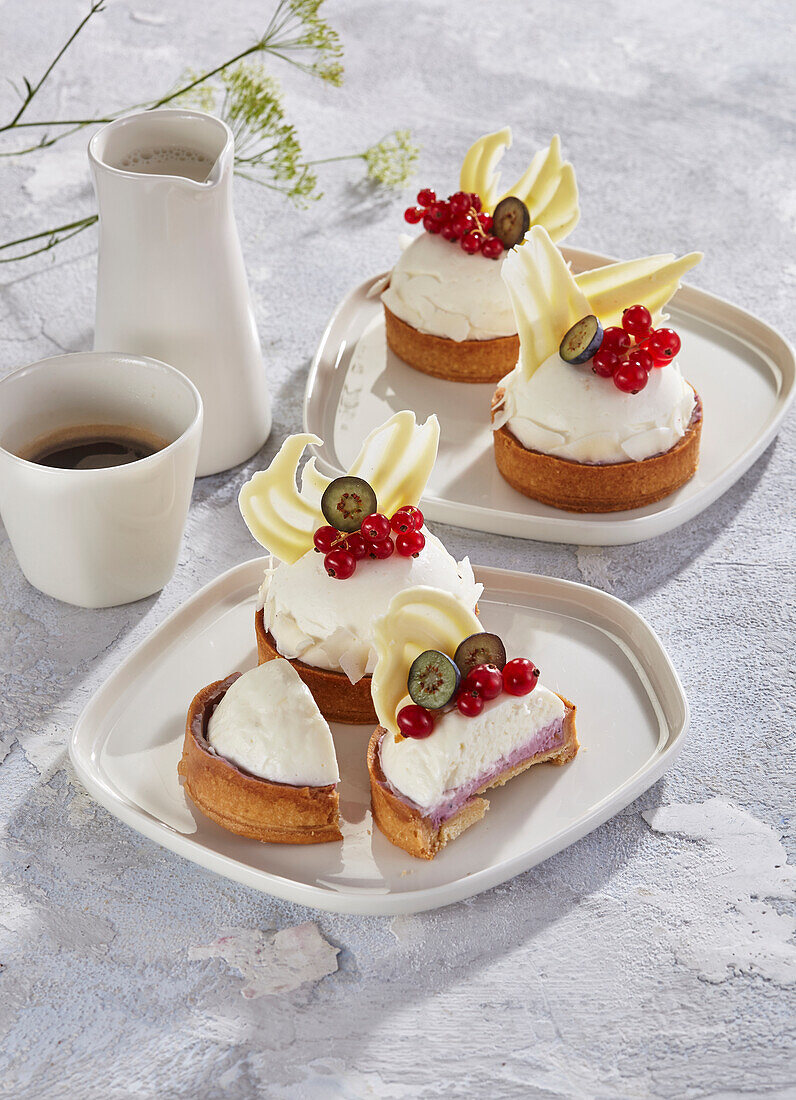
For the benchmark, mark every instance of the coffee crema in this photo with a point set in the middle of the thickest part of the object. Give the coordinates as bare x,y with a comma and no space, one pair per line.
93,447
167,160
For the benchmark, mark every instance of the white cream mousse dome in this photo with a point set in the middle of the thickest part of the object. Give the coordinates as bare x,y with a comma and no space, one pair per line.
441,290
269,724
571,413
328,623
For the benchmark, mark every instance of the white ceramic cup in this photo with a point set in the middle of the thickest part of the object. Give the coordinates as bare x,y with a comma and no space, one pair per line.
96,538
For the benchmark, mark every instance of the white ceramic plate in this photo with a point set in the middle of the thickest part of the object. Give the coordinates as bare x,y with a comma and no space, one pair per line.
743,369
596,650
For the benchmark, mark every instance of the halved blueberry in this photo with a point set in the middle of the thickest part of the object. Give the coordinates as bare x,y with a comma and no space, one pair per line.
433,680
479,649
582,341
511,221
346,501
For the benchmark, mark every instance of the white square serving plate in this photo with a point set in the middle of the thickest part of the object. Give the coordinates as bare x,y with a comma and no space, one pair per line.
743,369
591,647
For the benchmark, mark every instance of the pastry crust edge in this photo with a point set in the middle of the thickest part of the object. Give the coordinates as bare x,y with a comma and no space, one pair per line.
452,360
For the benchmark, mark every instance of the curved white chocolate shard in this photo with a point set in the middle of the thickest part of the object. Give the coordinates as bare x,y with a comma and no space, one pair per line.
417,619
396,459
550,191
479,173
281,517
548,299
652,280
547,187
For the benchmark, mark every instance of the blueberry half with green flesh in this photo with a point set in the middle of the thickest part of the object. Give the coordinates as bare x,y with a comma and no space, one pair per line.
582,341
479,649
511,221
346,502
433,680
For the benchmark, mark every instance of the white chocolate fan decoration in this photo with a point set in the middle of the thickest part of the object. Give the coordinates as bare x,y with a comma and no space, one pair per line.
548,299
396,459
547,187
417,619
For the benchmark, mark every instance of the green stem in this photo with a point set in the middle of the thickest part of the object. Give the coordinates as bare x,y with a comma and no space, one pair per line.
331,160
71,229
95,7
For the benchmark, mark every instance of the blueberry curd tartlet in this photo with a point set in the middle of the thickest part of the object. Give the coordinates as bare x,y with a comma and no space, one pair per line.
456,718
258,758
447,310
596,416
341,550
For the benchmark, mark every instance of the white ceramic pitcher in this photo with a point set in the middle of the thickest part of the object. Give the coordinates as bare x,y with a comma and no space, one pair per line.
171,282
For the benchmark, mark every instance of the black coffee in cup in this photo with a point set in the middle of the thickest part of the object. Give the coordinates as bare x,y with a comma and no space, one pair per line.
93,447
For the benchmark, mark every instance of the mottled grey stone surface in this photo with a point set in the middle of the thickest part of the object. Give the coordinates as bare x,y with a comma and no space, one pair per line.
646,960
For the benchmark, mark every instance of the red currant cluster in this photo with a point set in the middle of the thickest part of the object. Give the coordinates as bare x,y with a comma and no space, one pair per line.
458,218
627,363
484,682
373,540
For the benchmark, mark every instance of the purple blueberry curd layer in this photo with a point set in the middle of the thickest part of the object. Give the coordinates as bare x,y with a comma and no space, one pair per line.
545,739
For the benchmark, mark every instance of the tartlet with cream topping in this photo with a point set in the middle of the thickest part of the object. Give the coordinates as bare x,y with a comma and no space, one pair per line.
447,312
338,568
611,426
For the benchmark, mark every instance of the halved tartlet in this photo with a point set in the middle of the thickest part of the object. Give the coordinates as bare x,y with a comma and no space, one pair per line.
423,831
258,758
455,719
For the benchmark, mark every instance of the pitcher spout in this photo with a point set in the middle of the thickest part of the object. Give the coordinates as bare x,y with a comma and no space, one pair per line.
191,147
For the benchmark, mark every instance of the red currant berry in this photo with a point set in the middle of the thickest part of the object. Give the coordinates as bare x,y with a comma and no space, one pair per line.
605,362
475,201
340,564
431,225
462,224
469,703
637,321
631,377
643,357
415,513
459,203
438,211
375,527
485,221
520,676
615,339
415,721
325,538
471,243
492,248
381,550
410,544
357,545
412,215
426,197
402,521
448,232
487,680
663,345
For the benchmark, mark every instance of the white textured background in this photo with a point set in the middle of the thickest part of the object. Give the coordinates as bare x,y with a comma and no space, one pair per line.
652,959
